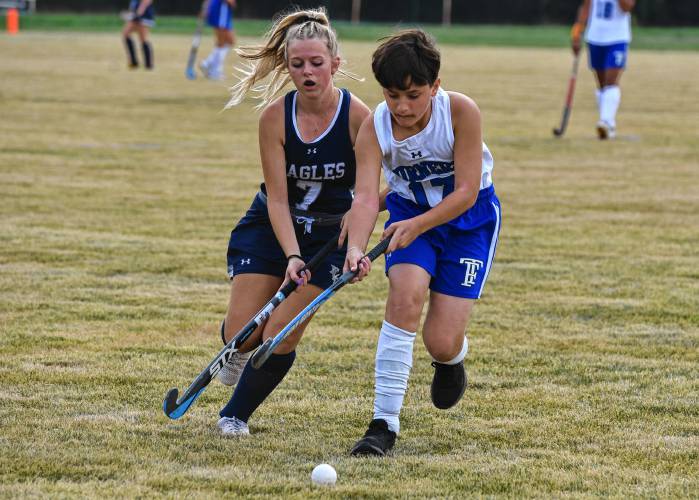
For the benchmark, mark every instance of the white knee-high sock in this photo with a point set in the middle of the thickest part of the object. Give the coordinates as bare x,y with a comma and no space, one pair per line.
210,58
610,99
459,357
394,359
598,98
220,57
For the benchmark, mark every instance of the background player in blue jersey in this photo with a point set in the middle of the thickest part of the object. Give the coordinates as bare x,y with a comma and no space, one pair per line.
307,152
219,15
444,220
140,18
607,26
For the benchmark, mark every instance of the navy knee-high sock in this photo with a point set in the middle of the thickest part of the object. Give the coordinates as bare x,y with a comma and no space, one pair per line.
255,385
131,51
147,54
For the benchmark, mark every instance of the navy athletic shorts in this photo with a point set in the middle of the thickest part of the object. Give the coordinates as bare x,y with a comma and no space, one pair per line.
253,246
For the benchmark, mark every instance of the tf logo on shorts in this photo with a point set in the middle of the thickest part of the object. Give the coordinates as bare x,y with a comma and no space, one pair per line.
472,267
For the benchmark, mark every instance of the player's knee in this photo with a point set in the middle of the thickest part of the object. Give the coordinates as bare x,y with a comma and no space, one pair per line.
442,347
405,308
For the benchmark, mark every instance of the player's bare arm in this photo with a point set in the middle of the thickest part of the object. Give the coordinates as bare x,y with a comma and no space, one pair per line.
358,113
579,26
627,5
142,7
365,207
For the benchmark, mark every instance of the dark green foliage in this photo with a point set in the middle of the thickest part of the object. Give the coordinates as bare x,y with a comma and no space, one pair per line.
647,12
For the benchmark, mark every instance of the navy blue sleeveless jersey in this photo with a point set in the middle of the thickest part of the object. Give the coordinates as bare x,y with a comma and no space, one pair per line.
320,174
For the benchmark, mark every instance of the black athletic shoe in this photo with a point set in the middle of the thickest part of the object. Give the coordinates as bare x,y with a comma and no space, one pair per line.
448,384
377,440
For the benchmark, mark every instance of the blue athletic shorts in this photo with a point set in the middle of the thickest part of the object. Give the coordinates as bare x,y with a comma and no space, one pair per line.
603,57
253,247
219,15
459,254
148,17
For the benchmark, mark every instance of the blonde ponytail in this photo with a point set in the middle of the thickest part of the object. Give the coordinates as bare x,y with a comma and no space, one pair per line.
270,59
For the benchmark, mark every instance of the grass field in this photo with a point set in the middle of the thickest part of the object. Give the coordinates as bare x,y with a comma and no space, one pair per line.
118,193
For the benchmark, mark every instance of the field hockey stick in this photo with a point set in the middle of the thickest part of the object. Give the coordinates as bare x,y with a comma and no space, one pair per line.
174,407
196,41
263,352
560,130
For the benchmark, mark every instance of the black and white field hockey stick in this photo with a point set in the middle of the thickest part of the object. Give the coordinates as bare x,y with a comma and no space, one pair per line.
174,407
190,73
263,352
560,130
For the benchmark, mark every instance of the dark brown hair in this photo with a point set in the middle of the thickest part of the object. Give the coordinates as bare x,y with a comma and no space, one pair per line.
407,57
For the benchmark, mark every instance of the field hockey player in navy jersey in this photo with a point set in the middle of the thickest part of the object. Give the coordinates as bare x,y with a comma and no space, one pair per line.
306,141
139,19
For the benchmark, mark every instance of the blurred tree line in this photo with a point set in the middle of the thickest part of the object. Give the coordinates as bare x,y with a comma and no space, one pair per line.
647,12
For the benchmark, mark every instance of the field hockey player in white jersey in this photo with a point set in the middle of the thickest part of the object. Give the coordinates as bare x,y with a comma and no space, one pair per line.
444,220
607,25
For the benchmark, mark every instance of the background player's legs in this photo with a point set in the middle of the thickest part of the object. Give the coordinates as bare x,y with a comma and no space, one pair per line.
128,43
146,47
215,61
610,95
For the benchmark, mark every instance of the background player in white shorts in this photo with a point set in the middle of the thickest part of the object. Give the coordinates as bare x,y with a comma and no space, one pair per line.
607,25
444,220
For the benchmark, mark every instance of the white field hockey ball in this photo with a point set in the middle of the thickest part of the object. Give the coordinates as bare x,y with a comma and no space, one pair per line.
324,475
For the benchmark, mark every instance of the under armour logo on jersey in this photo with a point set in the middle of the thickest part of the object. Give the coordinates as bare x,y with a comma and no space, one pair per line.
244,261
472,267
312,151
416,154
334,272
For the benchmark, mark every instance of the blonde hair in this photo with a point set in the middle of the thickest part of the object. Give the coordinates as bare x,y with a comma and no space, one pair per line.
271,58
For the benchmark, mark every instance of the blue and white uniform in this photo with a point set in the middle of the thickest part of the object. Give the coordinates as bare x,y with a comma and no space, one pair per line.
608,34
419,171
320,179
219,14
148,17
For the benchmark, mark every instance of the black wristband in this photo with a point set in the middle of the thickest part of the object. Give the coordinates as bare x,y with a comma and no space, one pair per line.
289,257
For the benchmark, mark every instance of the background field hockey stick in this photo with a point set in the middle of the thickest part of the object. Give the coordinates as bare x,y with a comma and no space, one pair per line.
560,130
196,41
267,348
174,407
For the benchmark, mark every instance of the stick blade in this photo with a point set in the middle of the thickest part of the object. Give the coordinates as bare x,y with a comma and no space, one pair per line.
170,402
190,74
175,409
557,132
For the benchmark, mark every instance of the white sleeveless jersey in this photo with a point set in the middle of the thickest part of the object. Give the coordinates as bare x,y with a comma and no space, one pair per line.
607,23
421,167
